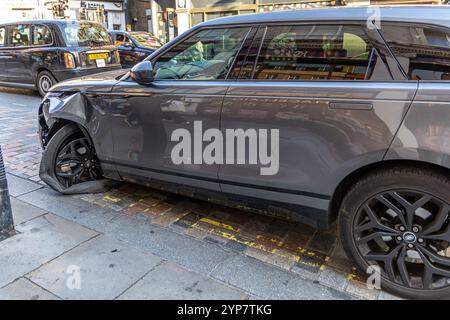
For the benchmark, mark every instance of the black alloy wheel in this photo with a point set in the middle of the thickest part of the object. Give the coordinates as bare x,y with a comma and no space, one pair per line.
397,222
76,162
407,234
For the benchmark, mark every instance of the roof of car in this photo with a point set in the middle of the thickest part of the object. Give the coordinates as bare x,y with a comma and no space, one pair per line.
419,14
47,21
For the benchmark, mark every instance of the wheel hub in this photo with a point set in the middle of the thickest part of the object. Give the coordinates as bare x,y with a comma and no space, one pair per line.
409,237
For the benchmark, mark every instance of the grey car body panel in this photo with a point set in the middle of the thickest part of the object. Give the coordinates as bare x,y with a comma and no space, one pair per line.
328,129
319,145
143,124
425,133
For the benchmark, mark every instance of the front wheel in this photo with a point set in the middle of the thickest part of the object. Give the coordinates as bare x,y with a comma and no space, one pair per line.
398,221
69,161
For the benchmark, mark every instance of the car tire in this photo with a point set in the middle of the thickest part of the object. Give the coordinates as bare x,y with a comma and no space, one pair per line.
407,237
44,81
69,163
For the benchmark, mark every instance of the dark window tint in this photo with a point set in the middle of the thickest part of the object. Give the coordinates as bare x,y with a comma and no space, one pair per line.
423,52
41,35
316,52
2,36
207,55
20,35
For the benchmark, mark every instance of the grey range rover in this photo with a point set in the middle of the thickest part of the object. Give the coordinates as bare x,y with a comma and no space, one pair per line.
361,99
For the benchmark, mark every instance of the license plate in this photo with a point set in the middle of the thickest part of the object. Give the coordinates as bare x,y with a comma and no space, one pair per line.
96,56
100,63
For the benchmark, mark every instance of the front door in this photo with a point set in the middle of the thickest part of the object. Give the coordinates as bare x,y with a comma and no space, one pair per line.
321,101
185,99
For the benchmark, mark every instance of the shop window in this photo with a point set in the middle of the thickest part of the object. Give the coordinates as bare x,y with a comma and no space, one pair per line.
326,52
423,52
41,35
207,55
20,35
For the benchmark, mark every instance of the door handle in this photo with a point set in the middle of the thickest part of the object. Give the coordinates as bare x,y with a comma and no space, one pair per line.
350,105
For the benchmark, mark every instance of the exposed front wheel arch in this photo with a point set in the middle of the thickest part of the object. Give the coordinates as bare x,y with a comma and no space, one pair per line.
69,163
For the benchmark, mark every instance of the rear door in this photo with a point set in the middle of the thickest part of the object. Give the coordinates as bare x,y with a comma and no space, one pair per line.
17,65
334,95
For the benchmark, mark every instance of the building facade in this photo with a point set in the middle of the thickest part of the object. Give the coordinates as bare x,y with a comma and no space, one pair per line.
110,13
168,18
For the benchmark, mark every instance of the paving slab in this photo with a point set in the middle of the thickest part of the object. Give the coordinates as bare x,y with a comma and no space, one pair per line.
136,230
268,282
23,211
18,186
71,208
24,289
38,241
188,252
102,268
169,281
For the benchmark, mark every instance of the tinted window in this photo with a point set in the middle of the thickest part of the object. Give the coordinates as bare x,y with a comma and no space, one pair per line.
20,35
41,35
2,37
316,52
423,52
206,55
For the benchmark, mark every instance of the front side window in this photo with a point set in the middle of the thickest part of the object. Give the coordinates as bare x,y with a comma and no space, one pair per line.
2,36
423,52
20,35
207,55
41,35
316,52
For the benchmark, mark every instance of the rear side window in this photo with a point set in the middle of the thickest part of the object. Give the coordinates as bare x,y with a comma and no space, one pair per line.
316,52
2,36
423,52
20,36
41,35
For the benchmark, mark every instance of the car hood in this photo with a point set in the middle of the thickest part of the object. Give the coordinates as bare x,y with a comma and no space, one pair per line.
99,82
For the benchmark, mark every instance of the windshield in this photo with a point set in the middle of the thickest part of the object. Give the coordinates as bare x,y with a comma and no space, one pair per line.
86,34
146,39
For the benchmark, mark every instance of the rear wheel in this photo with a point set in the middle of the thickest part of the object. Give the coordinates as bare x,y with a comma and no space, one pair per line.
44,82
398,221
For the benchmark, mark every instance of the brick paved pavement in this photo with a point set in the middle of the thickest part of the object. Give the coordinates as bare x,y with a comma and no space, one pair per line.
294,247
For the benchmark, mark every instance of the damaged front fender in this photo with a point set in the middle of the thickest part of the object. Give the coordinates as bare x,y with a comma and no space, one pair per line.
65,114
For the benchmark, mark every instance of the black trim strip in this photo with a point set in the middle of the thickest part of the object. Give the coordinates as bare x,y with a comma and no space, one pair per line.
234,183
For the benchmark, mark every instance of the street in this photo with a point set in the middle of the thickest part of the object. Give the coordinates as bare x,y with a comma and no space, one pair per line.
134,242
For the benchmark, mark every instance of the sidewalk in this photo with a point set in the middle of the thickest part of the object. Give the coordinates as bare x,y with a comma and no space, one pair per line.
67,248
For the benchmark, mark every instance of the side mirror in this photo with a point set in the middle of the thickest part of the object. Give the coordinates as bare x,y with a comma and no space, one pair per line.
142,73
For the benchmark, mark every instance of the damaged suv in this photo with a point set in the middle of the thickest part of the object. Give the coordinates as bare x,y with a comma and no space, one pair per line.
362,111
